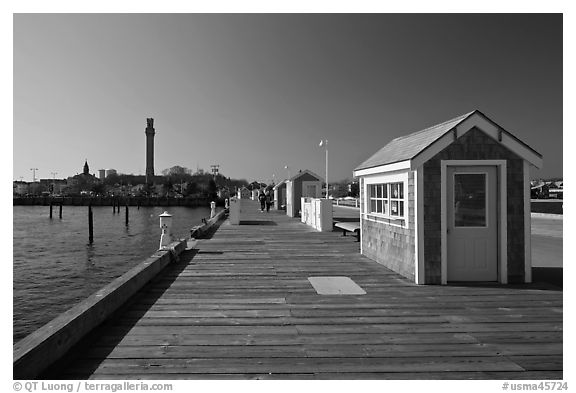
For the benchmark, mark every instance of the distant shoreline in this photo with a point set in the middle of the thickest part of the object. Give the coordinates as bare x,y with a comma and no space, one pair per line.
115,201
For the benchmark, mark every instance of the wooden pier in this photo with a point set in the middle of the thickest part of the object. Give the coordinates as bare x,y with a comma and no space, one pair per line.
240,306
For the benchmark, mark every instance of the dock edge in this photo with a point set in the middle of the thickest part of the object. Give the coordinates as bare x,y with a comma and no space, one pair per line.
36,352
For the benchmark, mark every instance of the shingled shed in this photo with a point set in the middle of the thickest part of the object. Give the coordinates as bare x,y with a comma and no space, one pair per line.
303,184
450,203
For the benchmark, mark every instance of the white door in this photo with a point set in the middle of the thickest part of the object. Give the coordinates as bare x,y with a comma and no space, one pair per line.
472,223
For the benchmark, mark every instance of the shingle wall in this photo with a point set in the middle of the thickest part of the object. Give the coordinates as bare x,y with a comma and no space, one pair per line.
474,145
392,245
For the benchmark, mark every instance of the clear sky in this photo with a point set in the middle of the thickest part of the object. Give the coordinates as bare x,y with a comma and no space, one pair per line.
256,92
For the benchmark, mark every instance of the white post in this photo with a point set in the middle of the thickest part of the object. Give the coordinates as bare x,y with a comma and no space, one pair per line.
226,203
166,226
212,209
326,168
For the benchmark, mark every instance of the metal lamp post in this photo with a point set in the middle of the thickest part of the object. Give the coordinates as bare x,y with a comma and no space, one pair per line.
324,142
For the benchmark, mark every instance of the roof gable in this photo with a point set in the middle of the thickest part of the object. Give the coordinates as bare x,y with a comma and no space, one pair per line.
418,147
408,146
301,173
282,183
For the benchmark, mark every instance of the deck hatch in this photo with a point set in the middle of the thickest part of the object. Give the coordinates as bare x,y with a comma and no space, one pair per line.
335,285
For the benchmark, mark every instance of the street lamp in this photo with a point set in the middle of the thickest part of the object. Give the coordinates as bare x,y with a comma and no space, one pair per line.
324,142
33,174
288,169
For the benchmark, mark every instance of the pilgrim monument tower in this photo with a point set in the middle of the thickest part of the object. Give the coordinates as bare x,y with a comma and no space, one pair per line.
149,150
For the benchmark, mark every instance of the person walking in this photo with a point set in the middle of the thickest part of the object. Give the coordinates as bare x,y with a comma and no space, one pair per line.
268,201
262,199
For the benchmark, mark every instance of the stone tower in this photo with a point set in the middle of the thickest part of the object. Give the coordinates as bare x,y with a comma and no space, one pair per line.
150,150
86,170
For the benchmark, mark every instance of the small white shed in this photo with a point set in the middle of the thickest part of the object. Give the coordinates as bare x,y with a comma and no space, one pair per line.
450,203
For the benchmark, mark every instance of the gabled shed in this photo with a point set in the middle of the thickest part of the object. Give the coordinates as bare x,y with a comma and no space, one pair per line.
450,203
244,193
304,184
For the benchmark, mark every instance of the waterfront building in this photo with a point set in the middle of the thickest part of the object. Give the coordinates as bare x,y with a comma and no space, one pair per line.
111,172
304,184
20,188
102,174
82,182
450,203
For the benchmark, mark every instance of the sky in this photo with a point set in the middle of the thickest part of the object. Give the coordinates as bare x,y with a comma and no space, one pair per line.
254,93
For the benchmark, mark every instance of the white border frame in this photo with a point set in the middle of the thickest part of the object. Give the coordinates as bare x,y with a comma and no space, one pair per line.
419,266
527,225
397,177
502,212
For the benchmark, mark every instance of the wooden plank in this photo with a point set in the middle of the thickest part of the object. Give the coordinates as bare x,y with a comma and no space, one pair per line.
525,375
282,339
301,365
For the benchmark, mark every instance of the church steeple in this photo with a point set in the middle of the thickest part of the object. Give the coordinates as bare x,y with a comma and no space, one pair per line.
86,169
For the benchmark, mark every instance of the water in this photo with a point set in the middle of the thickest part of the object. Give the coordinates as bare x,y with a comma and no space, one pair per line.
54,266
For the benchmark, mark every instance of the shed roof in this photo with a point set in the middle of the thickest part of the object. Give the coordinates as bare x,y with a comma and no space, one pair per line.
282,183
301,173
408,147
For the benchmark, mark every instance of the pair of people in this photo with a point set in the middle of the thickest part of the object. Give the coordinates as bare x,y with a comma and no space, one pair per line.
265,200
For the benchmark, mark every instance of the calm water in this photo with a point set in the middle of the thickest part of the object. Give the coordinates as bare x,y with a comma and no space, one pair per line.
55,267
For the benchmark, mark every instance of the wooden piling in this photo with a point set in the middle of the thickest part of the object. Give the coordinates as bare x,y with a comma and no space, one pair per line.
50,210
60,214
126,213
90,225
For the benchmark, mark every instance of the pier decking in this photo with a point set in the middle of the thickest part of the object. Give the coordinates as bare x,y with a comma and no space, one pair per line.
241,306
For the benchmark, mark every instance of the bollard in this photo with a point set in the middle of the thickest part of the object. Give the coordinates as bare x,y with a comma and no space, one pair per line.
166,226
50,210
212,209
90,225
226,203
126,213
60,214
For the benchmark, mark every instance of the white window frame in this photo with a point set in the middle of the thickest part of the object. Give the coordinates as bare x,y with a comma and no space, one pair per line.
387,179
487,192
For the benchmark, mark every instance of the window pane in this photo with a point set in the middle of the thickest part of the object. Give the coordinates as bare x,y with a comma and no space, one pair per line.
385,207
379,191
401,208
394,208
379,205
401,190
385,190
470,200
372,191
372,205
